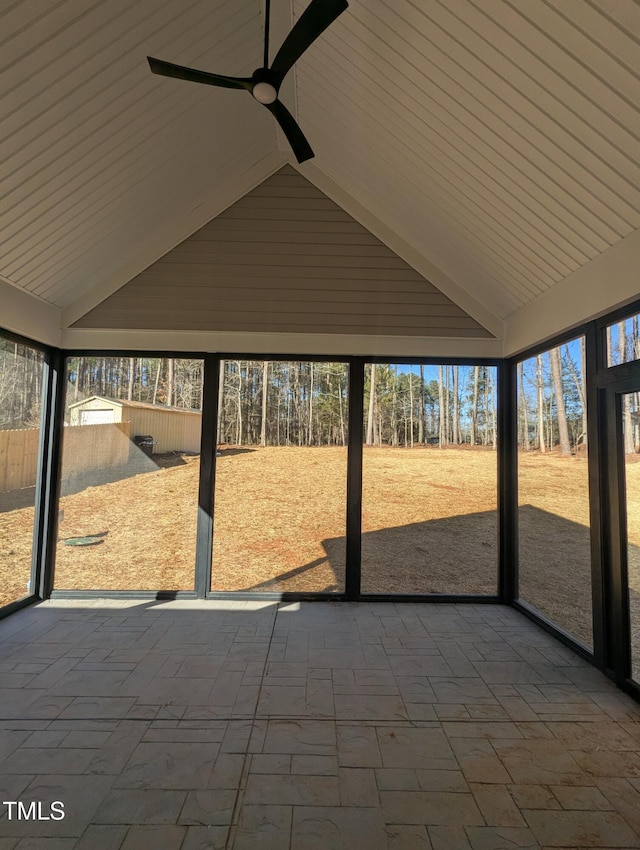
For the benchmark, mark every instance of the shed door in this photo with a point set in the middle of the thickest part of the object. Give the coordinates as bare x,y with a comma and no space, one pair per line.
96,417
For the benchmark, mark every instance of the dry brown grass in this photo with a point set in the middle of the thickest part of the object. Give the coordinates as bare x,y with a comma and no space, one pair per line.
429,523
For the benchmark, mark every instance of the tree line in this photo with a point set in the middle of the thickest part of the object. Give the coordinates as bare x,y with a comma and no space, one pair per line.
552,406
306,403
21,370
552,410
167,381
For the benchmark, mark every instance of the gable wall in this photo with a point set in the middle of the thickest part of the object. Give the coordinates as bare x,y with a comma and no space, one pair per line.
284,259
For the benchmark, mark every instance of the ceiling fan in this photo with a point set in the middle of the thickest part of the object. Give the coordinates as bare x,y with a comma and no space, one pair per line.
264,84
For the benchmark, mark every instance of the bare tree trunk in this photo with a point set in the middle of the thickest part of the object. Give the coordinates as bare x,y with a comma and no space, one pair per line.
157,381
474,403
456,407
486,434
578,380
447,424
610,353
556,374
133,361
79,370
263,418
422,405
627,423
540,395
239,434
220,422
395,438
342,423
278,418
288,419
310,428
442,420
170,381
524,412
370,415
494,412
298,403
411,405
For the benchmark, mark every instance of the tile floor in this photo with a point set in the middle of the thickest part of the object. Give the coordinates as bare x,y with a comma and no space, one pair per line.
309,726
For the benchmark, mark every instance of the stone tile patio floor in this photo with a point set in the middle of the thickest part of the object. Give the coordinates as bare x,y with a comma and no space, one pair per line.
308,726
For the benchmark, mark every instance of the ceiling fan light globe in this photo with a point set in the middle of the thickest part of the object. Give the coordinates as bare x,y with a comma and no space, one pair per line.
264,93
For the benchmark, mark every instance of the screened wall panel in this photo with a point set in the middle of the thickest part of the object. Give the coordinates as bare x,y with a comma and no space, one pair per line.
279,511
630,443
429,501
21,375
553,488
130,467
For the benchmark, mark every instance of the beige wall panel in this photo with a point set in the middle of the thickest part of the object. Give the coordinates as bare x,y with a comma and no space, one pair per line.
285,258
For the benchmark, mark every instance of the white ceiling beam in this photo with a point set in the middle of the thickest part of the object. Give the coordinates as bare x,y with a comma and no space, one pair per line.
164,240
294,344
606,282
28,315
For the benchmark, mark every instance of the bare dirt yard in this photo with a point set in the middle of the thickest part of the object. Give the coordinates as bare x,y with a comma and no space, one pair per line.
429,525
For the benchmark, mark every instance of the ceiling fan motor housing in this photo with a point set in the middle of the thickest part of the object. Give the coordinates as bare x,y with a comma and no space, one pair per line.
265,88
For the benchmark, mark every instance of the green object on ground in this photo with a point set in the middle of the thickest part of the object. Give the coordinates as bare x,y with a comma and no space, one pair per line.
82,541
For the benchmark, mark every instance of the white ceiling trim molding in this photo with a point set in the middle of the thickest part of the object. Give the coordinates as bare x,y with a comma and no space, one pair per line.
409,253
236,187
331,345
28,315
610,280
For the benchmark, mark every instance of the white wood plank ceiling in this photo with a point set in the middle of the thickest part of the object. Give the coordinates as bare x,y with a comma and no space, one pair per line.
498,139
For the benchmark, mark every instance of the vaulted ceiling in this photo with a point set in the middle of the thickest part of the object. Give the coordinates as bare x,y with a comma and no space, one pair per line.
494,145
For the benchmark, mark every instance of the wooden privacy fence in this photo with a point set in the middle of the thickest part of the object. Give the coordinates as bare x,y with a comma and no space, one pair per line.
18,458
85,447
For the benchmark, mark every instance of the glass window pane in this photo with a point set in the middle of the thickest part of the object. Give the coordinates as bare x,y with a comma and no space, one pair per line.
21,373
429,501
130,467
623,341
281,473
553,488
631,447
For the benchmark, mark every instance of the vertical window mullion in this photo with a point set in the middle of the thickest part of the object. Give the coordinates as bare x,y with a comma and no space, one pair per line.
507,483
206,490
354,479
47,487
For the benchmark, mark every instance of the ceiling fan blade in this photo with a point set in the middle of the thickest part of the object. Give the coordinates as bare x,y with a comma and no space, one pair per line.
180,72
299,145
312,23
